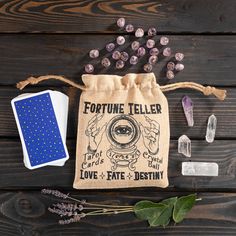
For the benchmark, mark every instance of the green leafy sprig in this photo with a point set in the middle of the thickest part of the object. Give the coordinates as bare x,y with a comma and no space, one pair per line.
156,214
160,214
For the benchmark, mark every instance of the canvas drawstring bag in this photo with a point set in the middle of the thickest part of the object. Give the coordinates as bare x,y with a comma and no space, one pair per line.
123,129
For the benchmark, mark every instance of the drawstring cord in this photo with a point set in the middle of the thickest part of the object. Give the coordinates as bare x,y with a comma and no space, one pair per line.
33,80
208,90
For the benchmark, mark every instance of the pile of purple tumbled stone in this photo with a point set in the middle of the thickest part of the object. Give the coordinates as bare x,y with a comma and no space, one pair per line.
149,49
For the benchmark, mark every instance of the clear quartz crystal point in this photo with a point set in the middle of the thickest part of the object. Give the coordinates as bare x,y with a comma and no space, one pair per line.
184,145
188,110
211,128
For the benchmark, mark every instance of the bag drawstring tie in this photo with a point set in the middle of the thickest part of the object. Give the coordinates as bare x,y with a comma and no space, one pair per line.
206,90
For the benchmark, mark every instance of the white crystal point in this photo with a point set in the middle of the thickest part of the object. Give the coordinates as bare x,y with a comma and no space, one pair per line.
184,145
200,169
211,128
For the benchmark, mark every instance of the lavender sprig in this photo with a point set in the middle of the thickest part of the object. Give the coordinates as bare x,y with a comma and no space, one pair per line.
145,210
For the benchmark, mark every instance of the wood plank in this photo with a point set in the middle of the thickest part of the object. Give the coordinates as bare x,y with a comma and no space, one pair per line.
99,16
15,175
203,107
25,213
208,60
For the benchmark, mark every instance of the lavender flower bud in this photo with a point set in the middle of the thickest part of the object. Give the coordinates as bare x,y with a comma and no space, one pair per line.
121,22
94,53
82,215
80,208
139,33
70,220
83,201
55,193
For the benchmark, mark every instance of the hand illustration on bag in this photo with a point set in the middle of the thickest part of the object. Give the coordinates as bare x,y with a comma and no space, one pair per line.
94,132
151,135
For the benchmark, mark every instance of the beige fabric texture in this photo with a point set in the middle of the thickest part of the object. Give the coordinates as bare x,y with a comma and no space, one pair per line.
123,133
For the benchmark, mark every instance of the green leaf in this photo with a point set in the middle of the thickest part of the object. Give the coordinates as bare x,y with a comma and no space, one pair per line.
146,209
182,206
156,213
169,201
164,218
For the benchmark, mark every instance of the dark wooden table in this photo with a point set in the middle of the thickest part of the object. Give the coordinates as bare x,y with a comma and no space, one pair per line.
53,37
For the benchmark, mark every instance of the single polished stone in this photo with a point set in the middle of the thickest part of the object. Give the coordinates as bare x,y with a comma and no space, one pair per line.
116,55
164,41
120,40
152,60
147,67
120,64
150,43
167,52
170,65
152,31
141,52
129,28
121,22
110,47
124,56
139,33
133,60
154,52
179,56
179,67
94,53
106,62
89,68
135,45
170,74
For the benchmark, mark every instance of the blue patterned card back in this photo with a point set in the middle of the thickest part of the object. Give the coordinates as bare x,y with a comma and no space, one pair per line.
40,129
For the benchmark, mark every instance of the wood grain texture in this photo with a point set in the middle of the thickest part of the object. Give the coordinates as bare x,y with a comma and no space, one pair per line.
208,60
84,16
25,213
203,107
222,152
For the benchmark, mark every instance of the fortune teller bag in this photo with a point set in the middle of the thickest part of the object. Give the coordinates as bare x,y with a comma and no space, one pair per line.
123,130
